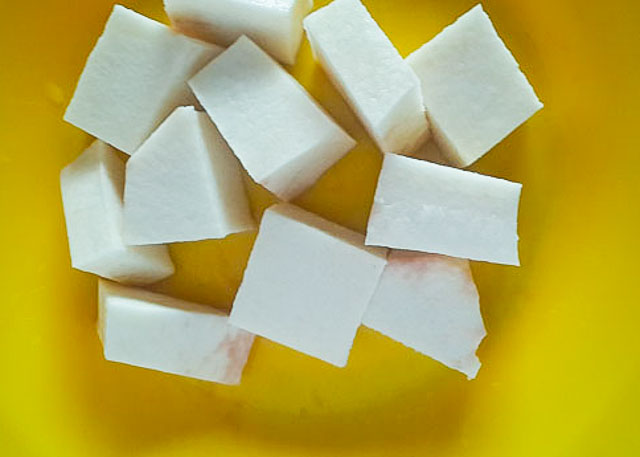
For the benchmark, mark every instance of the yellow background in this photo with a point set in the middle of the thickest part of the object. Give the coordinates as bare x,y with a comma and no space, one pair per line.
561,367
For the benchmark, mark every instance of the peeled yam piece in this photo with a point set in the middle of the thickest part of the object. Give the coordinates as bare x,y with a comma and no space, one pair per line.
473,89
184,184
422,206
274,25
134,78
282,137
92,188
430,303
307,284
161,333
370,73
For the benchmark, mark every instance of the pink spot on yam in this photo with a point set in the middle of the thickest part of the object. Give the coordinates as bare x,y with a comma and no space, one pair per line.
237,348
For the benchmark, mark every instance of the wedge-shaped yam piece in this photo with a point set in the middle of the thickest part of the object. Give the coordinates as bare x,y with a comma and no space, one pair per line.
154,331
307,284
92,188
430,303
134,78
274,25
422,206
370,73
280,134
473,89
184,184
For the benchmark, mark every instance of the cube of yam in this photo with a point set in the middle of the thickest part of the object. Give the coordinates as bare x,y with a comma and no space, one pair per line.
430,303
134,78
473,89
370,73
92,188
422,206
307,284
161,333
184,184
282,137
275,25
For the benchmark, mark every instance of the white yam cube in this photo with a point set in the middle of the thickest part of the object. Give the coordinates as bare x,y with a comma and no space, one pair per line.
161,333
422,206
134,78
430,303
473,89
307,284
184,184
370,73
92,188
282,137
275,25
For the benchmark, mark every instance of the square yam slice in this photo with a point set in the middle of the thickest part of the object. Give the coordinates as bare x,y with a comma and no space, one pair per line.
134,78
184,184
473,89
307,284
430,303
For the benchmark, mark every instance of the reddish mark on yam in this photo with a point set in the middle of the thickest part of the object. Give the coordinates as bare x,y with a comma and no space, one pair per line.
237,348
193,28
415,266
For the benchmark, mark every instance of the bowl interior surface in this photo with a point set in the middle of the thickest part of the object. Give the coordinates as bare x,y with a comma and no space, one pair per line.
560,363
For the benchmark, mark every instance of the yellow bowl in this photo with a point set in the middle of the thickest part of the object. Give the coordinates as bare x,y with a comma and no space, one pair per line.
561,364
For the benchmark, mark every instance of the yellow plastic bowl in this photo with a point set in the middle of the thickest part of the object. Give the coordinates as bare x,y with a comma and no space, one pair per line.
561,362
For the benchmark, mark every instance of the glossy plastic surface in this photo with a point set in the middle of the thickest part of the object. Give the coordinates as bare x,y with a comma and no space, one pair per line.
561,360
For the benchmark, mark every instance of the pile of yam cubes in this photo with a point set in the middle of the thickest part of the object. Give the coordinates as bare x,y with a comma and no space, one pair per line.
198,104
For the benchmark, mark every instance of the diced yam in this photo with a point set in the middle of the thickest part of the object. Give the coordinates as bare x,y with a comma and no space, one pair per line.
422,206
430,303
307,284
92,188
154,331
275,25
184,184
134,78
370,73
280,134
473,89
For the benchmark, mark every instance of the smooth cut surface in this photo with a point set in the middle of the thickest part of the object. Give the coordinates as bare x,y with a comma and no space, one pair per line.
560,363
154,331
422,206
473,89
184,184
134,78
282,137
275,25
307,284
92,188
430,303
370,73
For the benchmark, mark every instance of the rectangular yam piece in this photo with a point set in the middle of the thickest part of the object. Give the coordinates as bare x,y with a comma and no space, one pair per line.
275,25
307,284
161,333
473,89
282,137
422,206
92,188
134,78
370,73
